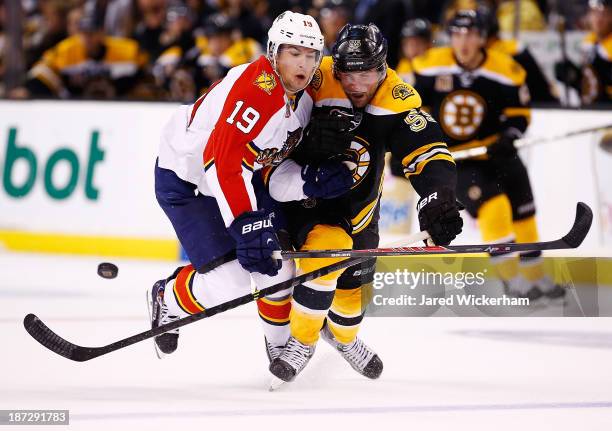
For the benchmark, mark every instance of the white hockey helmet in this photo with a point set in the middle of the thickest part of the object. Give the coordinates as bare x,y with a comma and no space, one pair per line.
294,28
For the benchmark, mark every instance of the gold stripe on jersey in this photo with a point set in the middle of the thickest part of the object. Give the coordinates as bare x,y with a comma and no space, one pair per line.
363,219
518,112
415,162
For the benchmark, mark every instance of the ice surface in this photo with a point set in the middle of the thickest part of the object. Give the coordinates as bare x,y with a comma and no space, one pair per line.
440,373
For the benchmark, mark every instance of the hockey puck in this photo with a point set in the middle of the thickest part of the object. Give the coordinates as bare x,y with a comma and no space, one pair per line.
606,142
107,270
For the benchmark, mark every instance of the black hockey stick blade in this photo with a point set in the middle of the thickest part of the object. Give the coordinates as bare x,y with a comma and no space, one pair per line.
579,230
581,227
45,336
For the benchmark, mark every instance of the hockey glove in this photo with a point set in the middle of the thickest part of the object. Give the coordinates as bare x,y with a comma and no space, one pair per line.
255,242
329,134
326,180
568,73
439,216
504,147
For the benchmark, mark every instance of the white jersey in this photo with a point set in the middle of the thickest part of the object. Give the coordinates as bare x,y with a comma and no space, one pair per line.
243,123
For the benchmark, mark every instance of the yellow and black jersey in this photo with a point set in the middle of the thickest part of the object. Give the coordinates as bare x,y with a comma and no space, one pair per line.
404,70
539,88
597,71
391,122
475,106
66,68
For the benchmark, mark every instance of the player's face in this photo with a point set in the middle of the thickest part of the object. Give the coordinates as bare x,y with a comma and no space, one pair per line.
414,46
360,86
296,66
600,21
466,44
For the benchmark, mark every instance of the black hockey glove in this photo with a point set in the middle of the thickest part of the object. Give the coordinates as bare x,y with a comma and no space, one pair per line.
329,134
255,241
326,180
504,147
439,216
568,73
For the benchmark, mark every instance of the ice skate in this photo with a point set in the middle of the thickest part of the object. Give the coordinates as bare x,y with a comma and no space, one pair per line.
273,351
167,342
362,358
292,361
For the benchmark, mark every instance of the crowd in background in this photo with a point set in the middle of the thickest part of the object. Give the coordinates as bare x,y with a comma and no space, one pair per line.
175,49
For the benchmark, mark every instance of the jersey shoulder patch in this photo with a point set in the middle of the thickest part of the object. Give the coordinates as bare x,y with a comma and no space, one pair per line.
323,85
394,96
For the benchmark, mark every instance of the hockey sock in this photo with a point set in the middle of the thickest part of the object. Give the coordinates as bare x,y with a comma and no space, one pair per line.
346,314
495,222
274,315
312,300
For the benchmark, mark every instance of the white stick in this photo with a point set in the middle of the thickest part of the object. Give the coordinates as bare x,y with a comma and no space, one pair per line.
527,142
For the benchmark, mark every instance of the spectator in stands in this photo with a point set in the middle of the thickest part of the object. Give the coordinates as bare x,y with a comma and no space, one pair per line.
2,42
334,15
416,39
530,15
241,12
150,28
50,31
593,79
389,16
540,89
88,65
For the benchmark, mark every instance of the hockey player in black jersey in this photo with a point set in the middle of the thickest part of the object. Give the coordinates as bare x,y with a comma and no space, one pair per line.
480,98
361,111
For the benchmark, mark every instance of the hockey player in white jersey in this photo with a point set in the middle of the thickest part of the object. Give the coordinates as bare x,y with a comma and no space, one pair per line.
204,175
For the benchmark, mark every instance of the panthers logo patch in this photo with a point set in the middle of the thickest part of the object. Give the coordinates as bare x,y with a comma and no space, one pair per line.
317,80
273,156
266,82
402,91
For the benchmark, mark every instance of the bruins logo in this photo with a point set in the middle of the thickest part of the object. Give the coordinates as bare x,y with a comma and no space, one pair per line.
273,156
359,159
462,113
266,82
317,80
402,91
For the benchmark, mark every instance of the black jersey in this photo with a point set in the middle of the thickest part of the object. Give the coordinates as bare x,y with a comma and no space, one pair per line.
597,71
473,106
391,122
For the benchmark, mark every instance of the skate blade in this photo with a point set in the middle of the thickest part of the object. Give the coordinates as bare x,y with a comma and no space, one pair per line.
275,384
159,353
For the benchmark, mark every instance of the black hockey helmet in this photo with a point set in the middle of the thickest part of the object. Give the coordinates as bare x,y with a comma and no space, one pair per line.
418,27
467,19
358,48
489,19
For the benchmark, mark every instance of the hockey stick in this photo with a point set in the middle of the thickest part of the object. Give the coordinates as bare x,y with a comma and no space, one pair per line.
45,336
527,142
579,230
